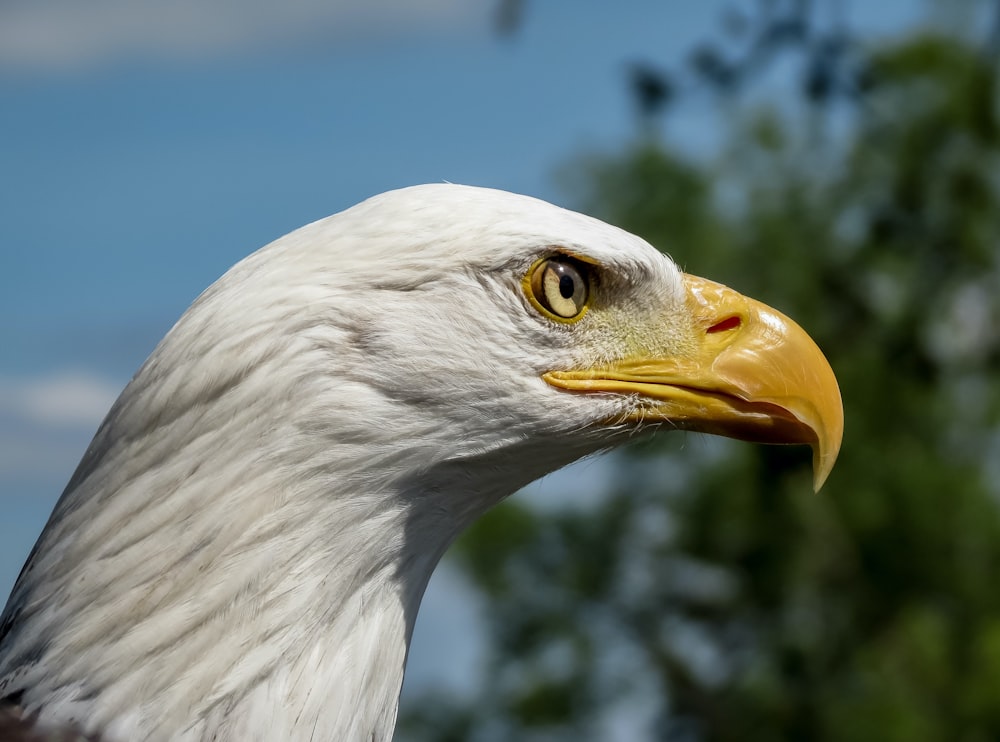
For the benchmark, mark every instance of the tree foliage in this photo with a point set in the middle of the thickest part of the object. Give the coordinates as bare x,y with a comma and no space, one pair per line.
711,596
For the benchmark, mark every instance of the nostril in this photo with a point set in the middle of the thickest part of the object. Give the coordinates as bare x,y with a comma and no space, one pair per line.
729,323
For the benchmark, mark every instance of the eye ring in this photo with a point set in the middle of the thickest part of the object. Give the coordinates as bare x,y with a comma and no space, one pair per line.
559,287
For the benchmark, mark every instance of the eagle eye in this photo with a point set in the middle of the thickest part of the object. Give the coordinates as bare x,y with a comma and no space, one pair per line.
560,287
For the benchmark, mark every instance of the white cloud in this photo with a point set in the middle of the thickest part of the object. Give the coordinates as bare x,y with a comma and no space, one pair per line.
45,423
70,33
65,400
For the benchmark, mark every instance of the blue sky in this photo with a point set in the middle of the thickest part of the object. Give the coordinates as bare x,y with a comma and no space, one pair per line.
146,146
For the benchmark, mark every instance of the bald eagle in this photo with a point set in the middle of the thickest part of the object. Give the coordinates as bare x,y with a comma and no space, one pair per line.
242,550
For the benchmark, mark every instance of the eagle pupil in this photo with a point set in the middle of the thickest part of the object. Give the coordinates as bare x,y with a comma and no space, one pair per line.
566,286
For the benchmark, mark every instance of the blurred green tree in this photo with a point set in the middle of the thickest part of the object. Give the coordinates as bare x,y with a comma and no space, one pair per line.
711,596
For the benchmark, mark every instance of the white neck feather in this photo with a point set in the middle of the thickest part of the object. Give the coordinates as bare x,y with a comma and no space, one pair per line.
272,598
242,551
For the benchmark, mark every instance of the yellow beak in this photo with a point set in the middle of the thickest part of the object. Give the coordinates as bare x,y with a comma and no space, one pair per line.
750,373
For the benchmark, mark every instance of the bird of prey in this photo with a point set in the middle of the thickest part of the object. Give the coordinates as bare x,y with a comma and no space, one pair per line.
241,552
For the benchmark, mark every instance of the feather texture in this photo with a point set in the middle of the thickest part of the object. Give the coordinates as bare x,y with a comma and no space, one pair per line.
241,552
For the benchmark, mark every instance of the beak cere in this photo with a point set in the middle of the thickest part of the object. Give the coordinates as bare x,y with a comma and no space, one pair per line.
751,373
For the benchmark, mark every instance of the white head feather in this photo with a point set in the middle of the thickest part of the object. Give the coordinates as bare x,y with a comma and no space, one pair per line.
242,551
